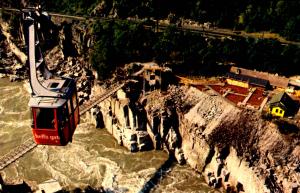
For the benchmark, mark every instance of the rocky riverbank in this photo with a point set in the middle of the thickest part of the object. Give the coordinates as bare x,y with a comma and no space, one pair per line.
233,148
10,64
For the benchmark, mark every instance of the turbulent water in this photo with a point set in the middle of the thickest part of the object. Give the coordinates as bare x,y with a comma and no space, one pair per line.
94,158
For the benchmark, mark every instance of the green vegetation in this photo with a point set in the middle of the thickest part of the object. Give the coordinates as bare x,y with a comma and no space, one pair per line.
279,16
119,42
72,7
122,41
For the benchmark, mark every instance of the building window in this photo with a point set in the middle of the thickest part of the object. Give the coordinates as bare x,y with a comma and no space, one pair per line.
276,110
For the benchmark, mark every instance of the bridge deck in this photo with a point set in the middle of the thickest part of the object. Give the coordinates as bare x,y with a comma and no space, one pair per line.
85,107
17,153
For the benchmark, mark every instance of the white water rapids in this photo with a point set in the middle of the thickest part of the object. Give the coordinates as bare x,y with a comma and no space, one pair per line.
94,158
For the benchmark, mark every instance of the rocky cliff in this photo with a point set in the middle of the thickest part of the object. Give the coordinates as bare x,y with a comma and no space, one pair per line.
237,148
233,148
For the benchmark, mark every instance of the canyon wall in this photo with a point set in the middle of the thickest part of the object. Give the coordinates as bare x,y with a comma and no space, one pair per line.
237,148
233,148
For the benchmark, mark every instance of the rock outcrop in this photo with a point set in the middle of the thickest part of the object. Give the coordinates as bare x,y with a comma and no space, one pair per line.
12,59
21,56
238,149
233,148
126,119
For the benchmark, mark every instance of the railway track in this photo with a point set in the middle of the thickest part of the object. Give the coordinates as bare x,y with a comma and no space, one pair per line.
29,144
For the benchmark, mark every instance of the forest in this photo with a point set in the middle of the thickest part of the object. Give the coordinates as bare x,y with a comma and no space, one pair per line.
279,16
121,41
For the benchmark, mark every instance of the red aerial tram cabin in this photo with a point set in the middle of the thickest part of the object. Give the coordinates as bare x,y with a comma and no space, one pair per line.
54,103
55,119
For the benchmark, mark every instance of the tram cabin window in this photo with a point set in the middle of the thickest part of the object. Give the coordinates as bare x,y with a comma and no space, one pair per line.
62,116
44,118
32,118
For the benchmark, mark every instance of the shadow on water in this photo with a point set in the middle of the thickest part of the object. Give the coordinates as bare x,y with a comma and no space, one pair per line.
158,175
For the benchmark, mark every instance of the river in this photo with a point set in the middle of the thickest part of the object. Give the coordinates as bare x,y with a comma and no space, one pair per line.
93,158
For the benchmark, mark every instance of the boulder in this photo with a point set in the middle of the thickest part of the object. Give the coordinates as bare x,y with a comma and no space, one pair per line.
179,155
2,75
13,78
